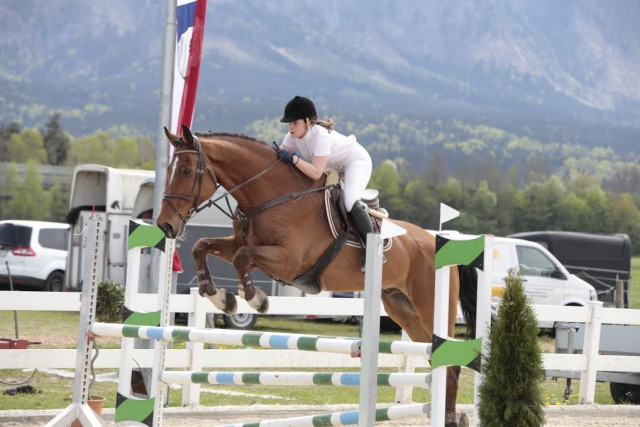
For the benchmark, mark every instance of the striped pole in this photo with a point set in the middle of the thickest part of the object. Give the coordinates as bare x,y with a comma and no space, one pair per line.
256,339
344,418
130,408
450,252
292,378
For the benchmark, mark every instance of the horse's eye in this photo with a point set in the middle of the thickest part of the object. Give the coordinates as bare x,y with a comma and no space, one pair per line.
186,171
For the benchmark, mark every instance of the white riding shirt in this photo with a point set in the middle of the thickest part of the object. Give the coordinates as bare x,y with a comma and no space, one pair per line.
346,156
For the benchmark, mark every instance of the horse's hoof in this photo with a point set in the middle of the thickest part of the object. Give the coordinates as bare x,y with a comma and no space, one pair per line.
207,289
225,301
260,301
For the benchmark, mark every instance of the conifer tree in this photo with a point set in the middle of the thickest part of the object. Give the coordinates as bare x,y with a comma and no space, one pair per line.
56,142
510,394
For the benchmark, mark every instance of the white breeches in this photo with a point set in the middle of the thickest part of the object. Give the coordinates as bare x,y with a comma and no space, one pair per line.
356,177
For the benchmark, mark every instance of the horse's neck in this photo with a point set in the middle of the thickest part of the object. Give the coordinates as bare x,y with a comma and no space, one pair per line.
235,163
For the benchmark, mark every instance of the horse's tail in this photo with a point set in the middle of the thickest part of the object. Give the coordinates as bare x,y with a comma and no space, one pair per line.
468,296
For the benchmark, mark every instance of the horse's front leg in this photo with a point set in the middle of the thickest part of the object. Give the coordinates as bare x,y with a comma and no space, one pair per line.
224,248
272,260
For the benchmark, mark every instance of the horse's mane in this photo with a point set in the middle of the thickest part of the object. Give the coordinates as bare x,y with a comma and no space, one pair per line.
211,134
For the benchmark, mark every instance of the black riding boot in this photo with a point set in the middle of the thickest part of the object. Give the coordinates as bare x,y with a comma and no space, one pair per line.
360,216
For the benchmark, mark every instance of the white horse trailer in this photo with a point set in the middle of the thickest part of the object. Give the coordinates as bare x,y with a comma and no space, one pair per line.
109,194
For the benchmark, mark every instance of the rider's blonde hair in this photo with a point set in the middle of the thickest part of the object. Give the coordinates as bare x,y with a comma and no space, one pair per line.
327,123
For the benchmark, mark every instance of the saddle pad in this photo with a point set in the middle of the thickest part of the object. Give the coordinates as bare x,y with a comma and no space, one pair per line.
339,221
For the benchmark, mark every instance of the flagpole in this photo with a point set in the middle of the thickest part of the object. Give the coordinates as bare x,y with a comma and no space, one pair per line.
162,147
162,160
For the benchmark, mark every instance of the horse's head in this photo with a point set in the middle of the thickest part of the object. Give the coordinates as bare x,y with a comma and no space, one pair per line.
190,182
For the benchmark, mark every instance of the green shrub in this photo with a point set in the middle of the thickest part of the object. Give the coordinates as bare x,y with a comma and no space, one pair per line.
110,302
510,394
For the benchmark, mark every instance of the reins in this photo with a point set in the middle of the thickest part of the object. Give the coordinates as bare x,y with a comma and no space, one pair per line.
239,216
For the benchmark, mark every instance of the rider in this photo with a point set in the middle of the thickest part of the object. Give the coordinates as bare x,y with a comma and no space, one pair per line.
322,147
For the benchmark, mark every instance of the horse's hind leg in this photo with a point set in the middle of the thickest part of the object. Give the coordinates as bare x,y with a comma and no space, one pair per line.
420,304
453,376
401,311
224,248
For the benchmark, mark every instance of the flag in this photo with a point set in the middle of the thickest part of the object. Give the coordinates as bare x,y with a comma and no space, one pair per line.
447,213
190,16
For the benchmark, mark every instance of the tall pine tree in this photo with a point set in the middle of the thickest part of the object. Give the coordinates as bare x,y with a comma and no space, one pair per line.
56,142
511,394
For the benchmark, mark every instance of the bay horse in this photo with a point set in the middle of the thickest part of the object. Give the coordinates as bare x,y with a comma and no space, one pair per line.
281,227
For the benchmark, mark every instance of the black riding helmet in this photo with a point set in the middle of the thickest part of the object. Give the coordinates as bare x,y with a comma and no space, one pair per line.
299,108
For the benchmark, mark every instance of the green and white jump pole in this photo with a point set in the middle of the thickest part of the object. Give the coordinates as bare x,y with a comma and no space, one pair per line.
146,411
447,351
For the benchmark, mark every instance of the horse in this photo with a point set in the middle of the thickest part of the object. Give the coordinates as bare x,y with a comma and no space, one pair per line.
281,227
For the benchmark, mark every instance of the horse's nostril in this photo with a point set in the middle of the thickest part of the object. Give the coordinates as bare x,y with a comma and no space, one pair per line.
168,229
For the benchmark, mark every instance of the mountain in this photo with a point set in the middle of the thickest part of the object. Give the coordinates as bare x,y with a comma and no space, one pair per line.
523,65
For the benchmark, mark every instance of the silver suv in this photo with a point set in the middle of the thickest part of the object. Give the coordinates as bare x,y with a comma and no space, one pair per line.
34,252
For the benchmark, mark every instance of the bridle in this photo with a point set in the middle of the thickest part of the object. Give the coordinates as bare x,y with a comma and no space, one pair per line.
202,166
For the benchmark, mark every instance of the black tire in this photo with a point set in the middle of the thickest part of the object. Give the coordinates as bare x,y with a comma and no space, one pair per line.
625,394
55,282
241,321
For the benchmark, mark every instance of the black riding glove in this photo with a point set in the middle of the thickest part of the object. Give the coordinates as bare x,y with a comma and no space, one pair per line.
285,155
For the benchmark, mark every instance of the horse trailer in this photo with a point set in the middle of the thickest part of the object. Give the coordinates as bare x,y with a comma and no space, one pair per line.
106,193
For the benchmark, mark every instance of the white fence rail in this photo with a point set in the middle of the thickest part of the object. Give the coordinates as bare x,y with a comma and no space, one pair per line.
195,357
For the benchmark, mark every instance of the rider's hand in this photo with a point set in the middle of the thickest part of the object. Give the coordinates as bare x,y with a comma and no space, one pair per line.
285,155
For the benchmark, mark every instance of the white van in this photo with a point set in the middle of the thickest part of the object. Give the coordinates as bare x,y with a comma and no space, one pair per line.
546,281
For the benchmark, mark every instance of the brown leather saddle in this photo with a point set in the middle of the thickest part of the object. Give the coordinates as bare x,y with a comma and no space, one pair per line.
343,229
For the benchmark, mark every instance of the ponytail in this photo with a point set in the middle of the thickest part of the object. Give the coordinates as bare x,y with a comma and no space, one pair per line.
327,123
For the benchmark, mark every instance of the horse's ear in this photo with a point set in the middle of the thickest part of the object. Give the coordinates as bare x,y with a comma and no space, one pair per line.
172,138
187,136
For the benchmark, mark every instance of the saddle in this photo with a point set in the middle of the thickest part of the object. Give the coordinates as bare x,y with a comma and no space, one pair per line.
341,223
343,229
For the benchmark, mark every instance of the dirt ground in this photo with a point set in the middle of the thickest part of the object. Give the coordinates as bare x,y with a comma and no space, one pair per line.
557,416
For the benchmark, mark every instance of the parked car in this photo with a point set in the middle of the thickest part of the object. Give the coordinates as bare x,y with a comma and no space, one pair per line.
35,253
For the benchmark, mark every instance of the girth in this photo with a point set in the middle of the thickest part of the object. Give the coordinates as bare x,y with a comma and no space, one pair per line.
244,217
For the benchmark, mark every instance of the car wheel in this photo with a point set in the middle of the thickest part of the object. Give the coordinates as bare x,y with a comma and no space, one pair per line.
55,282
625,394
241,321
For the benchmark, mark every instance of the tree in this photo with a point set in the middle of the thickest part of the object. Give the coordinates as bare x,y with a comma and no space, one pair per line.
5,140
90,149
56,142
8,179
28,199
510,393
27,145
58,202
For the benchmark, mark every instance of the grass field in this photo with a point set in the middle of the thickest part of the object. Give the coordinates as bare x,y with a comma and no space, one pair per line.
59,329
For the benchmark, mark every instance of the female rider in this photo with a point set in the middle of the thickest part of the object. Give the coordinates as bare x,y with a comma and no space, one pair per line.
322,147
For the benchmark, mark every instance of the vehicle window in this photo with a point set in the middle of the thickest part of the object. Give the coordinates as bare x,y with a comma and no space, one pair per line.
533,262
53,238
13,236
